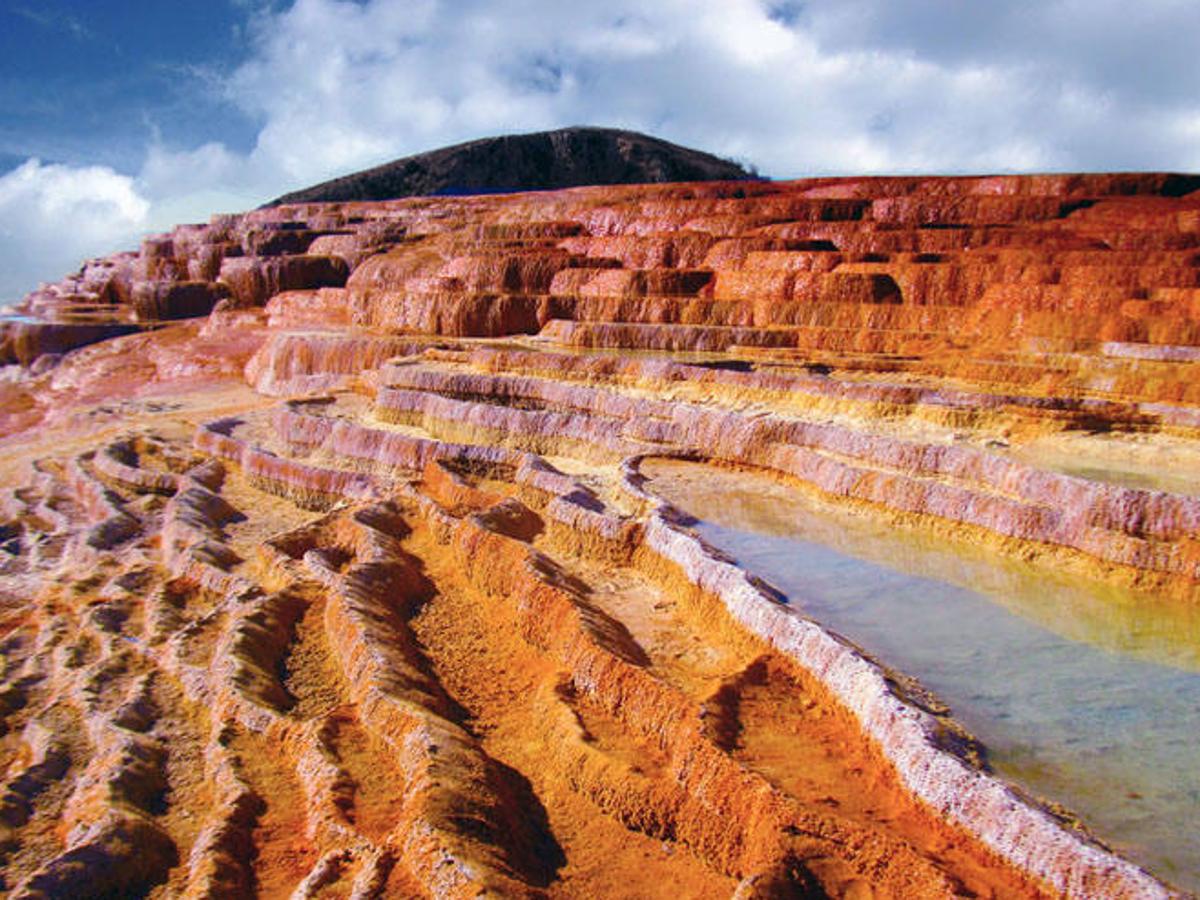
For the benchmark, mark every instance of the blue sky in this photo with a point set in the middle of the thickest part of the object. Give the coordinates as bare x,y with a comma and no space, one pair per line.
92,82
120,117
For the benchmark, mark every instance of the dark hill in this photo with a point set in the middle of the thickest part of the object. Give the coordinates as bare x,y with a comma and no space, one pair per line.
544,160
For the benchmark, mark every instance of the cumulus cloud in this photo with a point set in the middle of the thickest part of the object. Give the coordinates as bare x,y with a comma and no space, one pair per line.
797,87
52,216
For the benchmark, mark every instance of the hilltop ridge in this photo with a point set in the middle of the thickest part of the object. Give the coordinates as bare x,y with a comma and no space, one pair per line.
544,160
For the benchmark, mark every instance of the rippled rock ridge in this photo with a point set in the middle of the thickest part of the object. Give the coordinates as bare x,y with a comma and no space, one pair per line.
339,575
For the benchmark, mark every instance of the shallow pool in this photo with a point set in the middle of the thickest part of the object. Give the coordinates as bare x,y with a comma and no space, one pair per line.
1084,694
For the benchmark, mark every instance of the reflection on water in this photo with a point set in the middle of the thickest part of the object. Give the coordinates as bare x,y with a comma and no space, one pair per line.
1117,461
1122,477
1086,694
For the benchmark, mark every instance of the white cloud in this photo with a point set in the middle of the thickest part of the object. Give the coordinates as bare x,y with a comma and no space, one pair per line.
818,87
53,215
92,198
188,186
832,86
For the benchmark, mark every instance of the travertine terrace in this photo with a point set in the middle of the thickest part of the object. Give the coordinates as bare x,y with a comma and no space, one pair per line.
348,583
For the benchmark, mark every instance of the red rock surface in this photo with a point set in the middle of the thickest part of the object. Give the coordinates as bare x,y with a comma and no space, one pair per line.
353,587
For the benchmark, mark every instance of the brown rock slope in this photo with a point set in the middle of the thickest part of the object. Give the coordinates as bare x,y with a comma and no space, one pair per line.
400,618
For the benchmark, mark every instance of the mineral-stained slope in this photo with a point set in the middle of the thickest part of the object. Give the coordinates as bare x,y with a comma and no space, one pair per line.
355,588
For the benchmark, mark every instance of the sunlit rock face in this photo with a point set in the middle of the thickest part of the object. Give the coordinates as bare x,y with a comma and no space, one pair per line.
340,577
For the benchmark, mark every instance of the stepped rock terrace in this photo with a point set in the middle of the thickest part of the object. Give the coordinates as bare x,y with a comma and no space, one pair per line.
343,573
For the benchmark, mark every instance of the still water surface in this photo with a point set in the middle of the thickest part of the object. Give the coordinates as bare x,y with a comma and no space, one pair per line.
1083,693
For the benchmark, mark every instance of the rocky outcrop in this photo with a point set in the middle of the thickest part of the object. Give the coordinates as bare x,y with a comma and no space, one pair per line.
544,160
155,301
24,342
254,280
